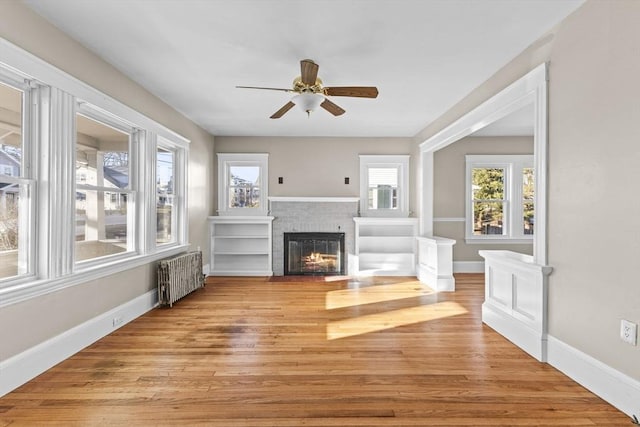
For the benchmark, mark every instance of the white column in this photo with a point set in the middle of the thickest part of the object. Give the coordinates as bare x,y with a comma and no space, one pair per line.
95,226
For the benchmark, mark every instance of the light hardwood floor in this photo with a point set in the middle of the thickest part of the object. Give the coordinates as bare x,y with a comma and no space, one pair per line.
251,352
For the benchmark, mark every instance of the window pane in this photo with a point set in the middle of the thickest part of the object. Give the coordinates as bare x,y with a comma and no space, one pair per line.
165,161
13,230
101,223
527,205
244,190
488,183
10,131
14,212
528,217
102,154
488,218
383,188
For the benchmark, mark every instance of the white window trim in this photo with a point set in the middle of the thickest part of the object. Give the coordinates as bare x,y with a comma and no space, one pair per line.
226,160
49,167
179,220
105,118
27,208
399,161
513,166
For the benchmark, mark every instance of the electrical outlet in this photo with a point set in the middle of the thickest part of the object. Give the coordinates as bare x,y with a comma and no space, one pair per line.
117,321
628,332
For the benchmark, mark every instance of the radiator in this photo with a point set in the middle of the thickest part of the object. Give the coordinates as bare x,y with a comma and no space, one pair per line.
179,276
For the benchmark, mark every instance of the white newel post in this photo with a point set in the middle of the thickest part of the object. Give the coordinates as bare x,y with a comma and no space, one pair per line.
435,262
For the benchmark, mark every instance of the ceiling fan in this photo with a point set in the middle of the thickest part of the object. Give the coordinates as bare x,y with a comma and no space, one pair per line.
310,94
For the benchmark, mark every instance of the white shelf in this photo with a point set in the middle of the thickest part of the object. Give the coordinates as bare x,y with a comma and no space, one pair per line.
240,237
386,246
240,246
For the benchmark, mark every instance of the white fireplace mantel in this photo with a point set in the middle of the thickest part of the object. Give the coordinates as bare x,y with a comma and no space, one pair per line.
313,199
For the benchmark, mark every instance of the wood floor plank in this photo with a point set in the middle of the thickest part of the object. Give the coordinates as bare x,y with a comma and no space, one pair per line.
254,352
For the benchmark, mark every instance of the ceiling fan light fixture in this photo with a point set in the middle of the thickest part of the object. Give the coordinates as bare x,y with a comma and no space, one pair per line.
308,102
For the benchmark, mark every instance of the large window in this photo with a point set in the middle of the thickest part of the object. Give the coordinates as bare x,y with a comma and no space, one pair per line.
500,192
242,184
78,189
384,185
16,189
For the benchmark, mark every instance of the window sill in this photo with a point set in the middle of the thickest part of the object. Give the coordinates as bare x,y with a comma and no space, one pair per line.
498,240
23,290
242,212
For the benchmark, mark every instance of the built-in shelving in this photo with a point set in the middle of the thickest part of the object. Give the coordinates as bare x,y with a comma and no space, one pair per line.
385,246
240,245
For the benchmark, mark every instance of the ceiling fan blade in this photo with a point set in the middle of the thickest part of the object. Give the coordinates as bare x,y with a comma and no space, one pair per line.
356,91
264,88
308,72
288,106
332,108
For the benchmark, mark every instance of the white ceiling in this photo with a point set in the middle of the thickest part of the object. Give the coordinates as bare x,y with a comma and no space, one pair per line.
423,56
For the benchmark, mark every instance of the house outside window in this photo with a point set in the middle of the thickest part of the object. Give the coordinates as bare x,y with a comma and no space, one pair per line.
166,213
384,185
242,183
103,209
17,202
77,182
499,198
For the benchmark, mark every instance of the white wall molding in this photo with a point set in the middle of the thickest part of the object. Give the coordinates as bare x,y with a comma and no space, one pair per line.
618,389
468,266
25,366
449,219
529,89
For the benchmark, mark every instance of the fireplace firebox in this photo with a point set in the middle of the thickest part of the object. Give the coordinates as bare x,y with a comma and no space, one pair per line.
315,254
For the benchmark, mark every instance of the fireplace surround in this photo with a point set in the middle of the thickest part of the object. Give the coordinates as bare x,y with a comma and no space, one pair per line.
313,214
314,254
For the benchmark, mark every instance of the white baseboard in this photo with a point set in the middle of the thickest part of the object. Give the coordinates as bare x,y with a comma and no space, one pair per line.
25,366
525,337
468,266
618,389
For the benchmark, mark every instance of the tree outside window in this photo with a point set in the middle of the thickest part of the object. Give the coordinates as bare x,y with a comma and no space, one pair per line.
488,200
500,197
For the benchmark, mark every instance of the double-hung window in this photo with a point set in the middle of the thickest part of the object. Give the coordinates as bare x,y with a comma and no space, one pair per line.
171,188
17,186
499,198
88,186
105,208
384,185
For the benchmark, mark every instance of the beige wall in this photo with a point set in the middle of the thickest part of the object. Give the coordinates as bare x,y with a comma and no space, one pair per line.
38,319
594,153
449,171
316,166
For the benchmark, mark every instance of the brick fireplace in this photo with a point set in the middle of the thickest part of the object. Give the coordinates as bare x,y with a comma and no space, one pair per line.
313,215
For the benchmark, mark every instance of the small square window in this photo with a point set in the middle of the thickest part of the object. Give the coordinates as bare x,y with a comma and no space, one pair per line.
384,185
242,184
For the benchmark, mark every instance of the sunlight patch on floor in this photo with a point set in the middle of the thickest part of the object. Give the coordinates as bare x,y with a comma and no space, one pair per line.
392,319
373,294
